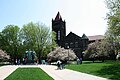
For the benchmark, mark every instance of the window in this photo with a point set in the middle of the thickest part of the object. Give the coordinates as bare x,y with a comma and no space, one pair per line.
58,35
71,44
83,43
76,44
66,45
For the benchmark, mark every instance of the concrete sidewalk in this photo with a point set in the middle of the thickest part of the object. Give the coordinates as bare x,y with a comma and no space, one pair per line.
52,71
6,71
68,74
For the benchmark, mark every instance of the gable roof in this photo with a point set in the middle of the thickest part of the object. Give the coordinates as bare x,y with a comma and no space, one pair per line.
95,37
73,35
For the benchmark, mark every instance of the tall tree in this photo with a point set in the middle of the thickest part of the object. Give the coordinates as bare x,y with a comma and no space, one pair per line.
10,40
113,16
38,37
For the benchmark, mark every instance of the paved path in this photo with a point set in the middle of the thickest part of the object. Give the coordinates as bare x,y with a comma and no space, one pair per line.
6,71
52,71
68,74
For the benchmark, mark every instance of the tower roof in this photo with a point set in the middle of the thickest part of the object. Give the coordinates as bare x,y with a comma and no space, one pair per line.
84,36
58,17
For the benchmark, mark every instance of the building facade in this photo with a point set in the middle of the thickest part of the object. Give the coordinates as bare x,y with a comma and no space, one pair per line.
76,43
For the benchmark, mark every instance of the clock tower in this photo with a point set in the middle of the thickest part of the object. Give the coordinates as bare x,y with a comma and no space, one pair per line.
59,26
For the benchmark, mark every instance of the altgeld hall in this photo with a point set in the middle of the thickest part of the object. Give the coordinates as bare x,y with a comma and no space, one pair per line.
73,41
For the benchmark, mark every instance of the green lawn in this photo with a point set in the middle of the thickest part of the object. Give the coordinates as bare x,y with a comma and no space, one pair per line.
29,74
108,69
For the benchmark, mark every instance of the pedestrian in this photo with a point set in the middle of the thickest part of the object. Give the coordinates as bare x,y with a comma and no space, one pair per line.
16,62
59,64
63,65
23,60
80,60
37,61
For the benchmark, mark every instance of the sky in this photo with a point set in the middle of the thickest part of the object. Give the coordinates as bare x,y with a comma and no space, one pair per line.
81,16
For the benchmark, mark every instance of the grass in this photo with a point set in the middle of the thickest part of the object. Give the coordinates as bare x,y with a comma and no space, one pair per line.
29,74
108,69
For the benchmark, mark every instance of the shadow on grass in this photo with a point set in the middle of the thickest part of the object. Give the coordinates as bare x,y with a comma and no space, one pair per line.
111,72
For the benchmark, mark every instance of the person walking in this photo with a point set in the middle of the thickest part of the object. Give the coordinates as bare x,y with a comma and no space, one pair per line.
80,60
16,62
63,65
59,64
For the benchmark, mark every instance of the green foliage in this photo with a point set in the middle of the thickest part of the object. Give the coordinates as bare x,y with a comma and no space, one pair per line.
38,37
10,40
54,45
113,17
29,74
108,69
33,36
110,46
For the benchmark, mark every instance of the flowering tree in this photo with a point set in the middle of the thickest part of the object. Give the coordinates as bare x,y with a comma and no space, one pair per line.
100,50
3,56
62,54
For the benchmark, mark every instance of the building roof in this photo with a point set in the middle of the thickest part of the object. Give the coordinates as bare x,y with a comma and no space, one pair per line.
58,17
95,37
72,35
84,36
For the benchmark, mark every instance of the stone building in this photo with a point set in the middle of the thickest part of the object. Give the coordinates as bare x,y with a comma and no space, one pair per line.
72,41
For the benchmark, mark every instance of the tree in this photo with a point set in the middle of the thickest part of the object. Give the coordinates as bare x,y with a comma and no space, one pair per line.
33,36
106,50
113,17
99,50
38,37
3,56
10,40
111,42
62,54
90,50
